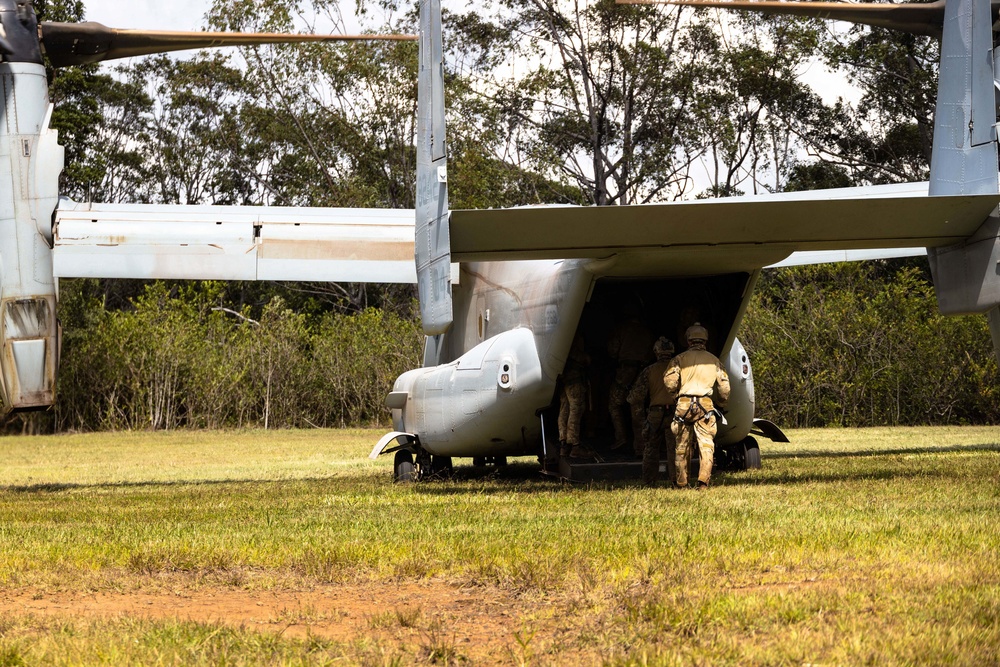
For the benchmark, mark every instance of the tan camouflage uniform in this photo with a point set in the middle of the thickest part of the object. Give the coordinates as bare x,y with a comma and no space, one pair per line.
691,378
629,345
655,428
573,398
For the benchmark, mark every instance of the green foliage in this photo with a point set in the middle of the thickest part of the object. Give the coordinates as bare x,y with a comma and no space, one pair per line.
177,358
841,344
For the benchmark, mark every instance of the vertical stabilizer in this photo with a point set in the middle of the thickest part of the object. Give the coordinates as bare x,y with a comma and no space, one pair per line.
433,240
964,158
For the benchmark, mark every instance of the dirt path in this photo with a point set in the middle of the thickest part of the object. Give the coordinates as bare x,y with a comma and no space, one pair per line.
479,623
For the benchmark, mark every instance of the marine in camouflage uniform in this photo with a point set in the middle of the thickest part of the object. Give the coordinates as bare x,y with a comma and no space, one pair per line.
629,345
573,401
656,422
691,378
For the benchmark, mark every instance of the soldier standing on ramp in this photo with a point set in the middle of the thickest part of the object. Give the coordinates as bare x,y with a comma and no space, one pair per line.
628,345
690,379
573,401
656,426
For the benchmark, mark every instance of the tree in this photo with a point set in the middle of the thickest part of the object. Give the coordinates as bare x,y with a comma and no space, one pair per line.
601,96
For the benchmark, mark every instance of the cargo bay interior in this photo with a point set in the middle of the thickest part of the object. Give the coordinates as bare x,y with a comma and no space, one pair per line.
667,307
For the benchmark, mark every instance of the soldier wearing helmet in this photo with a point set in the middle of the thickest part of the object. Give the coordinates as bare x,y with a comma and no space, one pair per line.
655,431
691,380
628,345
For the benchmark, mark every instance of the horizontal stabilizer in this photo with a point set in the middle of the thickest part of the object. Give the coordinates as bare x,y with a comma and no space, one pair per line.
763,229
835,256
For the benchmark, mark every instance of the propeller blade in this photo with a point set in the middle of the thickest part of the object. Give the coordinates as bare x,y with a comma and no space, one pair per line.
91,42
916,18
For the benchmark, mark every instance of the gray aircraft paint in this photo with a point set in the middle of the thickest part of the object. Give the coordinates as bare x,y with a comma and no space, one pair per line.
432,242
964,160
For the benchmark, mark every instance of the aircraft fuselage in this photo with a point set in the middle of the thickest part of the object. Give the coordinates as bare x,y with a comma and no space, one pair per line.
490,383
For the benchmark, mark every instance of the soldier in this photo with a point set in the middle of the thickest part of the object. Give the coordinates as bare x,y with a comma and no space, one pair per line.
690,379
655,427
573,401
629,345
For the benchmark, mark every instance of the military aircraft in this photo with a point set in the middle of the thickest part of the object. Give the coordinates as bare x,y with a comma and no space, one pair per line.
502,293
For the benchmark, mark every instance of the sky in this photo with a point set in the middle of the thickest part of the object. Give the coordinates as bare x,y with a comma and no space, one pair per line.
149,14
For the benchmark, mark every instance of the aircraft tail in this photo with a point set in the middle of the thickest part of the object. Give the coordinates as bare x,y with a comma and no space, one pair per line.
964,160
964,156
432,248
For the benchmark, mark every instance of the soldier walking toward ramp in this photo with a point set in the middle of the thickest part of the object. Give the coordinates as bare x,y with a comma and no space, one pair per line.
690,379
629,345
656,425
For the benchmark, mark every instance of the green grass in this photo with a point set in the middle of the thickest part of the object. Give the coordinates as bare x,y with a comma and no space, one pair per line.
875,546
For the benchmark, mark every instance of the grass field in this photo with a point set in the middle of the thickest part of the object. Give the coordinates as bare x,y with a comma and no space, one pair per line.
876,546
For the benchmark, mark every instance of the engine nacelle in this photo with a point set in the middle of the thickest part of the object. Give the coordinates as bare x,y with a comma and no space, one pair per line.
483,403
30,162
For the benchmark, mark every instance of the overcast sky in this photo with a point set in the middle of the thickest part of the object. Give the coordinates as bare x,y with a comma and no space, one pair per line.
148,14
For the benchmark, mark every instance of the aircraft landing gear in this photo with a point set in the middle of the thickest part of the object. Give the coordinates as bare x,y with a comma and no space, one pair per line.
402,467
751,453
744,455
409,466
441,466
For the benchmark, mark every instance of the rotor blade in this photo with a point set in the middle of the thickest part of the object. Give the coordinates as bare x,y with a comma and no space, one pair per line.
91,42
916,18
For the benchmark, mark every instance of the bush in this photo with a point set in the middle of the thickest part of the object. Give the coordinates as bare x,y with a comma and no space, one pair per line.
176,359
859,345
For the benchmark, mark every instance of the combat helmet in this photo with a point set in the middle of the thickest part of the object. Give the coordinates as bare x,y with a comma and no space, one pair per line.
696,333
663,347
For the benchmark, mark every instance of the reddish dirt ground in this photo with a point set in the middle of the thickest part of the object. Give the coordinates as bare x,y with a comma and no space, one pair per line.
479,623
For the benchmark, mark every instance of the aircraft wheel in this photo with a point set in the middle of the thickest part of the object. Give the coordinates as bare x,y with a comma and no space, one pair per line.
441,466
478,460
402,467
752,456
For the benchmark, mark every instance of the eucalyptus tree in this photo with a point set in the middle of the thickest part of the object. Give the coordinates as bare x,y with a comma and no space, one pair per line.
887,136
597,95
753,100
324,125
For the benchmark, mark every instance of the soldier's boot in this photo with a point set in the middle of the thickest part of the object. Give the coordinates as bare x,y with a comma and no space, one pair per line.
564,448
702,486
581,452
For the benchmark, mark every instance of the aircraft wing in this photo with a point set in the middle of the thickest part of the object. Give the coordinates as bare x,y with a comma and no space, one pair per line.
376,245
233,243
721,235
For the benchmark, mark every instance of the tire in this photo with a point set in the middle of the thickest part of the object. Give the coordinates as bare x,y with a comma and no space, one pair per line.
402,467
441,466
752,456
478,460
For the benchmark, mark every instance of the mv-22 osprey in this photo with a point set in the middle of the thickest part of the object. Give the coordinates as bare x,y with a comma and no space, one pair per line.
502,293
